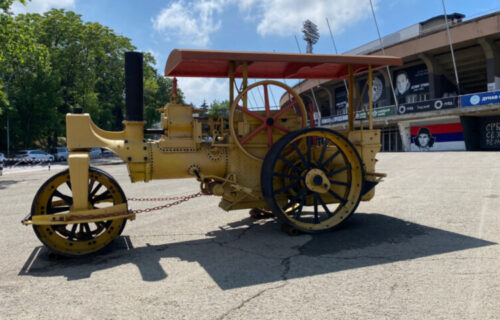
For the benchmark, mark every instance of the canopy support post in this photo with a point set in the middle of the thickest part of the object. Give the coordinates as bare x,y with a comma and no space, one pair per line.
245,83
370,97
231,83
350,98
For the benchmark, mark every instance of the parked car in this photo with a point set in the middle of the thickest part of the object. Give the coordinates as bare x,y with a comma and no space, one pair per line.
60,153
108,153
34,155
95,153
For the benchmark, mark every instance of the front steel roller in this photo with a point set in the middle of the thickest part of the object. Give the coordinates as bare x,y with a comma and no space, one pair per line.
55,196
312,179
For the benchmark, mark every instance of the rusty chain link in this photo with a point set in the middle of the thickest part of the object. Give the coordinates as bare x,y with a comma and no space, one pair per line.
180,199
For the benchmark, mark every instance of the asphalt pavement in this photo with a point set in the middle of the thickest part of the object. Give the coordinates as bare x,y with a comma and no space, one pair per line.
426,247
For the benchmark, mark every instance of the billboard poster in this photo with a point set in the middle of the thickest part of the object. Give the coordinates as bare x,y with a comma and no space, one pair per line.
428,105
340,98
437,137
411,80
377,113
335,119
478,99
378,89
360,115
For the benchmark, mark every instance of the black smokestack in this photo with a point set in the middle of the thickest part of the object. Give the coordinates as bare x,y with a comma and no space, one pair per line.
134,94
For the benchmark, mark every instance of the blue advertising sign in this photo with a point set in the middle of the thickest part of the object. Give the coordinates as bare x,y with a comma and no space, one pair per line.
478,99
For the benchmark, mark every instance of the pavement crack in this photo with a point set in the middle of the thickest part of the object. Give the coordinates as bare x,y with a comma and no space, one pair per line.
246,301
286,267
285,262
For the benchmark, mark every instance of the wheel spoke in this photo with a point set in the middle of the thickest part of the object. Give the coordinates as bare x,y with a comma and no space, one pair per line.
284,175
269,137
336,196
266,101
334,172
285,109
101,224
280,127
297,150
86,230
102,197
253,134
333,156
93,193
64,197
325,144
323,204
288,163
340,183
91,185
250,113
72,232
294,199
286,188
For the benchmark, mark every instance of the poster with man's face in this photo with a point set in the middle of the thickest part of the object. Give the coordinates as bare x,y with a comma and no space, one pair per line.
411,80
437,137
402,83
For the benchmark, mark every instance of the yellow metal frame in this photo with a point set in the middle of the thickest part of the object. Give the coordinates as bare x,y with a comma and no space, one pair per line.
157,160
366,141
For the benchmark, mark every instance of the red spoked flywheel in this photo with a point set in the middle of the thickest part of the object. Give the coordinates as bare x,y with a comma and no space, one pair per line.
269,120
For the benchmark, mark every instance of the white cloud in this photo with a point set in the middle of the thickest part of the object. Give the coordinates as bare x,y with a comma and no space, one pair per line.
192,22
41,6
198,89
285,17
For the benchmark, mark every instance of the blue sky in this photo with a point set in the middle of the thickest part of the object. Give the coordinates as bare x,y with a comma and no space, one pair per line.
158,26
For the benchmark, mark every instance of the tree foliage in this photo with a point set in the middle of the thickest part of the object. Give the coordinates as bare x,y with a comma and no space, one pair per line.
52,63
220,109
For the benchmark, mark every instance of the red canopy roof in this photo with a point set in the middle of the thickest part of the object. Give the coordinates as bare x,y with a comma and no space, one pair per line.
266,65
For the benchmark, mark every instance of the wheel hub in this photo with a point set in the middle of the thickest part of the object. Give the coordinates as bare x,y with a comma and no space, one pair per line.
317,181
269,121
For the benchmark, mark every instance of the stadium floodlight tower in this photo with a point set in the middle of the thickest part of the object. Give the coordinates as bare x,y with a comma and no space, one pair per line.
311,34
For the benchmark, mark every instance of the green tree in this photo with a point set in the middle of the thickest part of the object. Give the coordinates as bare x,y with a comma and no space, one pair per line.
220,109
54,62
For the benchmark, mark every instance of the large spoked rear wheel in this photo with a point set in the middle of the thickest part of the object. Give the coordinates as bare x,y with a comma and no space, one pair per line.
312,179
55,196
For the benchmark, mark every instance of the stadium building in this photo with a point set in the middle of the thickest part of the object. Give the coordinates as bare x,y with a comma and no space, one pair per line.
426,108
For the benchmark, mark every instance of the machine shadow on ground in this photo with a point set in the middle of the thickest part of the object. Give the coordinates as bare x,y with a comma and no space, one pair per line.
252,252
6,183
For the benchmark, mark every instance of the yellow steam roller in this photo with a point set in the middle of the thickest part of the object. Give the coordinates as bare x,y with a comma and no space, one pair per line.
269,158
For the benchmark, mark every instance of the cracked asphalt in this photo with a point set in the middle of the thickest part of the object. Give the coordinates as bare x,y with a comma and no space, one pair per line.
426,247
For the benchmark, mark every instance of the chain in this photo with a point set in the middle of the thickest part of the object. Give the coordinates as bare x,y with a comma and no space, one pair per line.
180,200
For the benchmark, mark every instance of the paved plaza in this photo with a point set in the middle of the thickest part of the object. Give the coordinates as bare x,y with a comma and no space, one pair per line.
426,247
